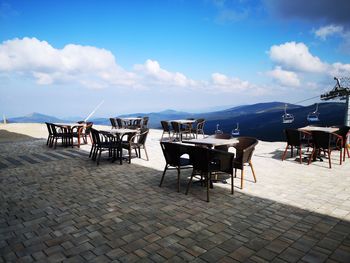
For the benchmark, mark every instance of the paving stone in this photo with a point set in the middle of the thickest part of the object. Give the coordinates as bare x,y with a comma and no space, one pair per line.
58,206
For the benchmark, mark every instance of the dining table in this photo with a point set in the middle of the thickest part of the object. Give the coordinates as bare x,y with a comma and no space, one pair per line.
212,141
318,128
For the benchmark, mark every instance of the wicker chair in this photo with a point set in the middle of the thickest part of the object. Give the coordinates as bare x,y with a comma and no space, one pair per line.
166,129
200,127
244,152
173,154
113,123
207,161
327,142
297,139
136,142
344,132
101,142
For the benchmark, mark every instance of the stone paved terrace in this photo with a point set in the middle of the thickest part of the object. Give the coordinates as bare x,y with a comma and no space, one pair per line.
58,206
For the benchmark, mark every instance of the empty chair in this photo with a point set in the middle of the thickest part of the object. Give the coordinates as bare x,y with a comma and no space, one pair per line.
62,133
50,137
178,131
145,122
102,142
295,139
173,154
113,123
206,161
119,123
126,142
200,127
324,141
344,132
244,152
166,129
137,142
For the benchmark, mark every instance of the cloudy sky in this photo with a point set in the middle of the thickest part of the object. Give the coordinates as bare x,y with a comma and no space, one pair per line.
63,58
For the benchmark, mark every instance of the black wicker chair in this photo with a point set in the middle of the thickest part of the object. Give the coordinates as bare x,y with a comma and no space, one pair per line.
297,139
206,161
173,154
327,142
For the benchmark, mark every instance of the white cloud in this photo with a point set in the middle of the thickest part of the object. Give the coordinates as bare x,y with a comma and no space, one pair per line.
224,83
152,72
296,57
326,31
96,68
286,78
71,63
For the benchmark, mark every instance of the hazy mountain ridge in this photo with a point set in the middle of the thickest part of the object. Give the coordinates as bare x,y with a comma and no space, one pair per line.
261,120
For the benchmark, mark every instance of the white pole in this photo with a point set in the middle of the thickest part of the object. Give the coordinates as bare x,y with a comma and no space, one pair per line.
4,119
94,111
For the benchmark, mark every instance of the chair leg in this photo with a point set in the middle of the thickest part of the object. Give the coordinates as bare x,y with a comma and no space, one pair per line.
301,160
311,155
99,156
144,147
161,180
252,168
232,186
208,185
285,152
341,156
92,147
189,183
329,158
242,175
178,179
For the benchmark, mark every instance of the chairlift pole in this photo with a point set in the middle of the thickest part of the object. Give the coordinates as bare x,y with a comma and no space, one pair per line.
341,90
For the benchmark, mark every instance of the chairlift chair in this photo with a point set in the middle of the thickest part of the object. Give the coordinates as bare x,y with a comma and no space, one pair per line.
287,117
218,131
313,116
235,132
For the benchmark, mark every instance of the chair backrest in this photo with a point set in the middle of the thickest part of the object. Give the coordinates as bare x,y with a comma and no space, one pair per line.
173,151
88,127
321,139
113,122
200,158
136,123
176,126
293,137
344,132
244,149
119,122
145,122
49,128
95,136
142,137
165,126
200,124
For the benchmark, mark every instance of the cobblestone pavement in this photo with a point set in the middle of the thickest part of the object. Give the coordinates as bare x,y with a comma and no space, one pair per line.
58,206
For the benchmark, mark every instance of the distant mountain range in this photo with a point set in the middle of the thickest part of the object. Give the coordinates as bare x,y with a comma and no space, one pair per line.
262,120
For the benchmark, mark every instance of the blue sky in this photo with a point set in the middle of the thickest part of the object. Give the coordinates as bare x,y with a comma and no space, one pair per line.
64,57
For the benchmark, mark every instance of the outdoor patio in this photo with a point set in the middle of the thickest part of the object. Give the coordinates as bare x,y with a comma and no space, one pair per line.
57,205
